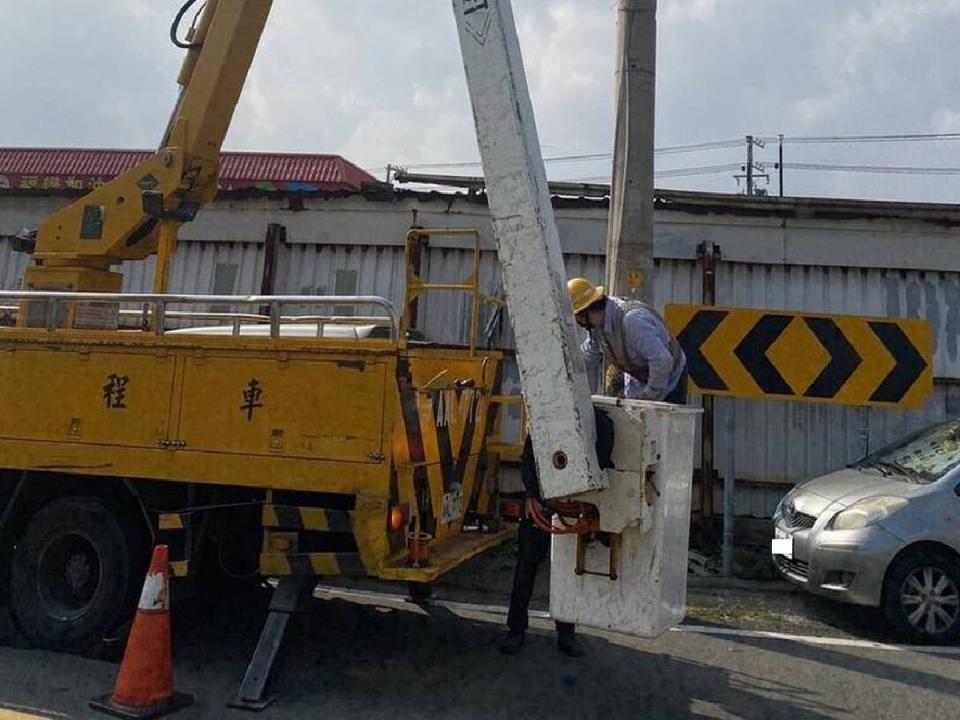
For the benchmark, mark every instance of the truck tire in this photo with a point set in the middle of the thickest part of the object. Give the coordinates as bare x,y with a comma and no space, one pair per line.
921,597
70,576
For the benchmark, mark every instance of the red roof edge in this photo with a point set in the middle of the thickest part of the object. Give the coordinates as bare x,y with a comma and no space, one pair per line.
87,168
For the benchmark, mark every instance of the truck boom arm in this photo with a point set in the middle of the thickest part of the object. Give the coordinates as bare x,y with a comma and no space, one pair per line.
552,370
137,213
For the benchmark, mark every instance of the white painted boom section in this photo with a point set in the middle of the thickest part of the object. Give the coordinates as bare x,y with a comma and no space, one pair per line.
552,371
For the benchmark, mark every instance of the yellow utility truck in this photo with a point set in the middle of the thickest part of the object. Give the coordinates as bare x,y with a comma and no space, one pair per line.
252,440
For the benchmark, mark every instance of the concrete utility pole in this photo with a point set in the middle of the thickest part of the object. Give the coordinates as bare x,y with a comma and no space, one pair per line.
753,170
780,164
630,229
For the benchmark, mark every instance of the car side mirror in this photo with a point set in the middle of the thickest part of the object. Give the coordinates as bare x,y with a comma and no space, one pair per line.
956,490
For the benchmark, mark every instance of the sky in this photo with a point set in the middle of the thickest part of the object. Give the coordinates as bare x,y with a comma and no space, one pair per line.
381,81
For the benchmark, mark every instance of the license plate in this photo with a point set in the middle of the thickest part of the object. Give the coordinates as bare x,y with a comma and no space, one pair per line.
452,506
782,545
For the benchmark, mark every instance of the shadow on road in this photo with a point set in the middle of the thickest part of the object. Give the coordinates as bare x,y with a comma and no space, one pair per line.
867,666
351,660
861,622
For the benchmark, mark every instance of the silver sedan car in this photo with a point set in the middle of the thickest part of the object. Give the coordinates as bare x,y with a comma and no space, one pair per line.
883,532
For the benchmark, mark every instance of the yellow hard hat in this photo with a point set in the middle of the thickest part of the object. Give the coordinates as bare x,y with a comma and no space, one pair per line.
583,293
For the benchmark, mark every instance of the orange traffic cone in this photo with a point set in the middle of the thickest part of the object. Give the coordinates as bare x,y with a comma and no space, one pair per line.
144,686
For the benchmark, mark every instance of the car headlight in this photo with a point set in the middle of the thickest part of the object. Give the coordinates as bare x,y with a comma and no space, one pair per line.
866,512
778,513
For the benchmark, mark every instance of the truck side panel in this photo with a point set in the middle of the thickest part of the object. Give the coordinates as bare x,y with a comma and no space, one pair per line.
85,397
321,408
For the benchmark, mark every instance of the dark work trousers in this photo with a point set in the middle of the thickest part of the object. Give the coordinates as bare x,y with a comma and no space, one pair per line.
678,396
533,546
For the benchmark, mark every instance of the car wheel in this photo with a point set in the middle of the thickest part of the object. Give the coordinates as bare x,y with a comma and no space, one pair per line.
921,597
70,575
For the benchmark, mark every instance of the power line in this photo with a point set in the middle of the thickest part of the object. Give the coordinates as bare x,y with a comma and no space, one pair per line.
699,170
738,142
694,147
474,163
874,169
676,172
900,137
822,167
668,150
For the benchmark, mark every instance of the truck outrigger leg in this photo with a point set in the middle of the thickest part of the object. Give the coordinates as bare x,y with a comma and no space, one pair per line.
257,691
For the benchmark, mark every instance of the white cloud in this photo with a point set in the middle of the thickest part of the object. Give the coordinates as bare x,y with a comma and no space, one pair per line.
688,10
945,120
382,81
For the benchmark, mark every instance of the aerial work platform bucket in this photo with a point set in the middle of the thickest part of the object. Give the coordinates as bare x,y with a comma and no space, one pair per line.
631,576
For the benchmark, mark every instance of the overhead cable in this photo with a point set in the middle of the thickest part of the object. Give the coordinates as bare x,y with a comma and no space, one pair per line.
898,137
668,150
874,169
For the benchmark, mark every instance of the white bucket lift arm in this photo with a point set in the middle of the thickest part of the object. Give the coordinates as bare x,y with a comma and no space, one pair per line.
552,371
628,573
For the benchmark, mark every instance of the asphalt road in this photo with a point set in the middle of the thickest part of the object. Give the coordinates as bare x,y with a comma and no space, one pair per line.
380,658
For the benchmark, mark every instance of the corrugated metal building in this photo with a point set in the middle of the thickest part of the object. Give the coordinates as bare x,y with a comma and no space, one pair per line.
866,258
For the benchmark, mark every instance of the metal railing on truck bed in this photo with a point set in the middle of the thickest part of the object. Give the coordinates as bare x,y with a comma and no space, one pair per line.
152,313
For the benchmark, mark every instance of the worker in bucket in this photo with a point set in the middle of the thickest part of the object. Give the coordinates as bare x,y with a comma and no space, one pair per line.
533,544
632,337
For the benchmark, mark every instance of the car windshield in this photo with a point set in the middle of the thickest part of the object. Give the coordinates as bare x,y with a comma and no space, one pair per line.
924,457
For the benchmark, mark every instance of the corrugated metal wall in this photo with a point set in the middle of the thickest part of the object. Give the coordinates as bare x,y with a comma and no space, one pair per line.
195,265
775,443
312,269
12,265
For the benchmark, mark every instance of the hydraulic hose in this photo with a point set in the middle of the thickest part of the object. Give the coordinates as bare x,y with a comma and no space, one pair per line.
175,27
561,517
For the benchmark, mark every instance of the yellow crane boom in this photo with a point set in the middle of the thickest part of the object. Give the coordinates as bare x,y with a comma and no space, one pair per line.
140,212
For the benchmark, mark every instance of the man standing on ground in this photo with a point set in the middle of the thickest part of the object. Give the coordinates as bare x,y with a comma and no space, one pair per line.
632,336
533,544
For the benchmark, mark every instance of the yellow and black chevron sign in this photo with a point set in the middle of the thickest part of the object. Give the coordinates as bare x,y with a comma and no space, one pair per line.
839,359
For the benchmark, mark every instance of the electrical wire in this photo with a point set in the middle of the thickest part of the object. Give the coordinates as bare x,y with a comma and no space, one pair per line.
814,167
677,172
584,157
695,147
720,145
572,518
561,158
897,137
873,169
703,170
700,170
175,26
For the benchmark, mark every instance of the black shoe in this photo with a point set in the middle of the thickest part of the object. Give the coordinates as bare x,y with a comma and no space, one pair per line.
512,643
568,644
